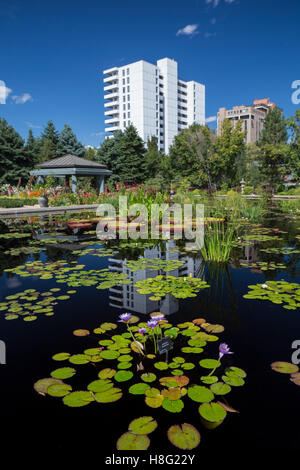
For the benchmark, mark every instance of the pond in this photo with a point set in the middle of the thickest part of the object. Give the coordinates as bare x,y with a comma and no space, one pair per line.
62,291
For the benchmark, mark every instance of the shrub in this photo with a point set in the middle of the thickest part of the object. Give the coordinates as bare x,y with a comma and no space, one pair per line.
8,202
248,190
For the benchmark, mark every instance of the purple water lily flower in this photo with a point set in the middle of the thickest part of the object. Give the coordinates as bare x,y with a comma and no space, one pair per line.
158,317
224,349
125,317
142,331
152,324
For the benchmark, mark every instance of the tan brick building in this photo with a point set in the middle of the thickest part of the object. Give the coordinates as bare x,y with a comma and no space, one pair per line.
252,117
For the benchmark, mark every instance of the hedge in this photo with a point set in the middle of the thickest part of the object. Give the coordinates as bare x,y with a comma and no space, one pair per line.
10,202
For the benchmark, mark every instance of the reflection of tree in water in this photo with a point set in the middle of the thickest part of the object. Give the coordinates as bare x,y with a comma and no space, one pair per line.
133,249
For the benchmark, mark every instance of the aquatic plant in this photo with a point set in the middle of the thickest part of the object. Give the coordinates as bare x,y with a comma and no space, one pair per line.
147,377
161,285
155,264
30,303
277,292
287,368
218,242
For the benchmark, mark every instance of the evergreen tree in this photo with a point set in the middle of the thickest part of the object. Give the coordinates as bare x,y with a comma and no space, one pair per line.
293,124
48,143
32,147
131,166
153,158
109,153
68,143
15,160
90,153
274,131
273,156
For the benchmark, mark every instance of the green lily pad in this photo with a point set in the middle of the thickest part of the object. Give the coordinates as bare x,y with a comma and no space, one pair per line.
79,359
143,425
212,412
123,375
130,441
109,396
220,388
209,363
233,380
101,385
200,394
174,406
109,354
63,373
209,379
61,356
161,365
106,373
139,388
148,377
78,399
184,437
59,390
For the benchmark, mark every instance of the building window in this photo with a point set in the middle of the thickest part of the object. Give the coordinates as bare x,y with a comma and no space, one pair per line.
123,72
124,90
129,122
124,107
123,81
127,71
128,106
128,115
127,79
124,115
124,99
128,97
124,124
128,89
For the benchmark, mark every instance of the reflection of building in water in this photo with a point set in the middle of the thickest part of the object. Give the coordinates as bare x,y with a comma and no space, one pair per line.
126,297
250,254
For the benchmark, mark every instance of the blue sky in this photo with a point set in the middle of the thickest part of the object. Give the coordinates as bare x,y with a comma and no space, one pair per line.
53,53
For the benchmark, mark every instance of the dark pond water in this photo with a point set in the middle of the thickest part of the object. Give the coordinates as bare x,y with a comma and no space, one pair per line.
259,333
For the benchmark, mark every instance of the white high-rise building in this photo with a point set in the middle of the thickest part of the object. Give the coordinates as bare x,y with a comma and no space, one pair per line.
153,99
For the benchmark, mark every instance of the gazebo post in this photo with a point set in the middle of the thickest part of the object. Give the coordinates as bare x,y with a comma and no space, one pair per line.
41,180
74,183
100,184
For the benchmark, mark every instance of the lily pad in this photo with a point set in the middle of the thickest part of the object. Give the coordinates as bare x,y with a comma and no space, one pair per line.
123,375
174,406
209,363
139,388
200,394
220,388
78,399
143,425
148,377
63,373
109,396
184,437
212,412
284,367
130,441
59,390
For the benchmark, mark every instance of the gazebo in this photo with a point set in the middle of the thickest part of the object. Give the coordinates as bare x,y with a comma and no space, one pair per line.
70,165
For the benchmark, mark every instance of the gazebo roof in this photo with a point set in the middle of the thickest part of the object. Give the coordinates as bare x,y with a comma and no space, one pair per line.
70,161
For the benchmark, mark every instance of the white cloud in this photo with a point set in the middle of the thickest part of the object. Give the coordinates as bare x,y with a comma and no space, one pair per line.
211,119
33,126
21,99
4,92
215,3
98,134
188,30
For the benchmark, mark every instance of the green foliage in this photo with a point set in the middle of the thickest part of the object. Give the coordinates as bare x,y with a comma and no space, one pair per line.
15,160
68,143
48,143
